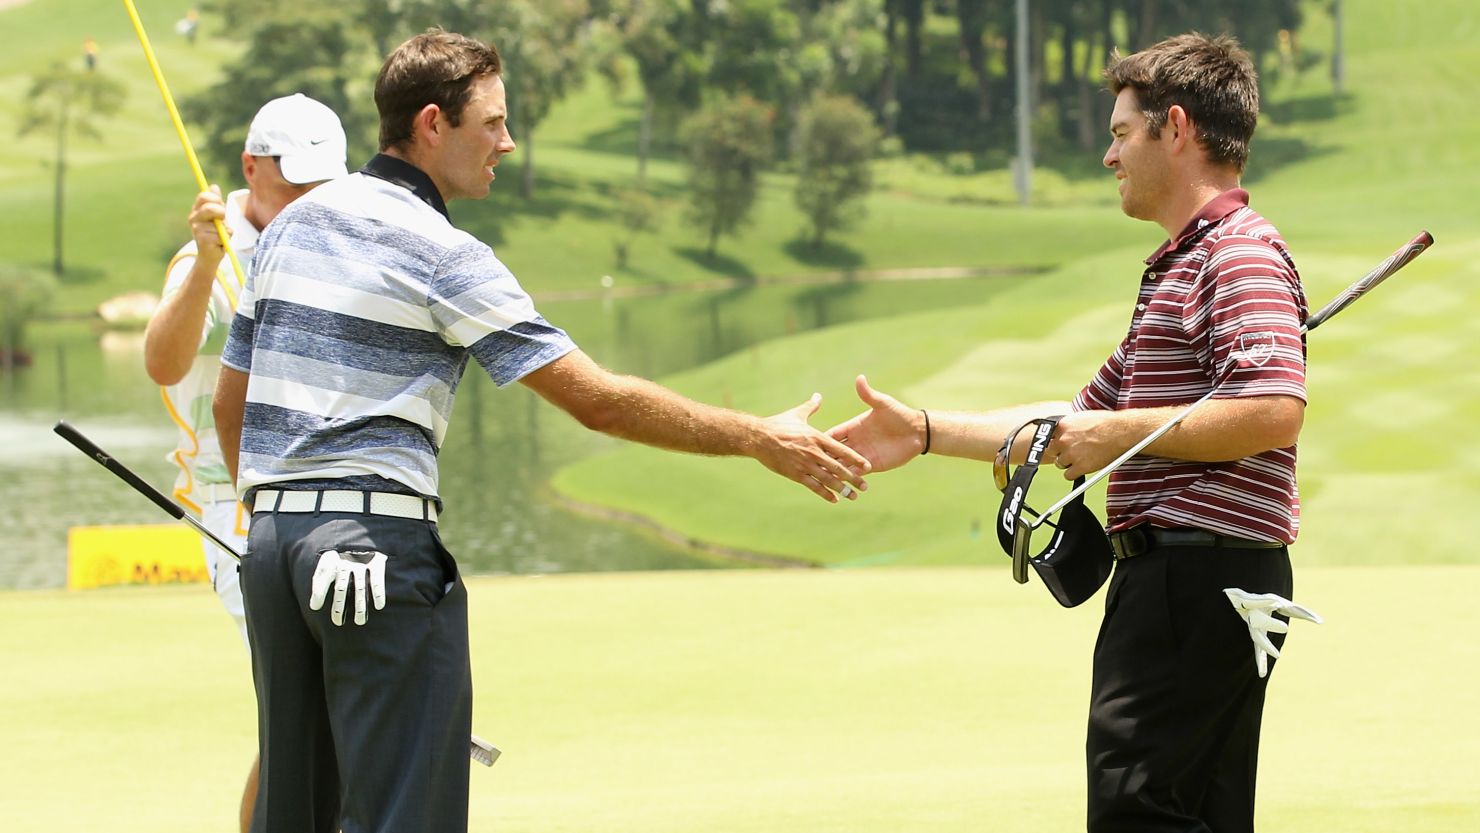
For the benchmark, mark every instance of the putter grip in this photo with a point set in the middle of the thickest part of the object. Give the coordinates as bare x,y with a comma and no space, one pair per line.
86,446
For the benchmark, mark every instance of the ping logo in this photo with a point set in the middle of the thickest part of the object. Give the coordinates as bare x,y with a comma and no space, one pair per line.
1040,442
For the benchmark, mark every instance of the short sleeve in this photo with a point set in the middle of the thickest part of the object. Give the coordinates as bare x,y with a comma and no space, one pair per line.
237,354
1255,307
476,303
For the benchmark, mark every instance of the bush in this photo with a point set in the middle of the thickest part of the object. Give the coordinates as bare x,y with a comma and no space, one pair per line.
24,294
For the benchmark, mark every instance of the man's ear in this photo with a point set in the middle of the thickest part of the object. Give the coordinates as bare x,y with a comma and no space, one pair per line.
1180,126
249,167
427,125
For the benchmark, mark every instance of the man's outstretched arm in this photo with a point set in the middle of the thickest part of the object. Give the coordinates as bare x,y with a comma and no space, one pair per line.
890,433
646,412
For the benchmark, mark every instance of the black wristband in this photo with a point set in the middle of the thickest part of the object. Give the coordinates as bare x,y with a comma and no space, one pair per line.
926,414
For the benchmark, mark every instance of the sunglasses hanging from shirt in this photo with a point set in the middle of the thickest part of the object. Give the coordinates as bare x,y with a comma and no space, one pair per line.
1078,557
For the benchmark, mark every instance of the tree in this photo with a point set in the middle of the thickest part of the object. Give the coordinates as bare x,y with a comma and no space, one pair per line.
728,144
655,34
972,17
639,212
751,47
836,138
312,50
843,49
70,100
545,49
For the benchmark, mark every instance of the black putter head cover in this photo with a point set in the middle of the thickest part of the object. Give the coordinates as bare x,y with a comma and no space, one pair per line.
1078,558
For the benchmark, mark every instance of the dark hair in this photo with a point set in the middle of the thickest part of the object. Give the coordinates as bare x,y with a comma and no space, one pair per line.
435,67
1211,77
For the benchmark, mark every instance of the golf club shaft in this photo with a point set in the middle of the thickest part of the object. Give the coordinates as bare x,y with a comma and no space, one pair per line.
1397,260
479,750
200,177
109,462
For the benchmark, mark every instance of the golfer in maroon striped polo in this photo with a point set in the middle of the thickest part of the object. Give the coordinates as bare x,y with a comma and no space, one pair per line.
1177,693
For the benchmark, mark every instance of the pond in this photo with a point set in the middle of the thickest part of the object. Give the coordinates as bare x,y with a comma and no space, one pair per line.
501,450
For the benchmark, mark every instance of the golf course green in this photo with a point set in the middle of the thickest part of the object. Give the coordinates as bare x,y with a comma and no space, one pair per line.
928,693
945,699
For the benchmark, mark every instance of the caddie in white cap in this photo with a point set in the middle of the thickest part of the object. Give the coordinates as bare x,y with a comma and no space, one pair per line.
293,145
303,135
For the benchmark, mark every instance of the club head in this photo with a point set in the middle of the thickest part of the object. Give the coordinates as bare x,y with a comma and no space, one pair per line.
483,752
1020,538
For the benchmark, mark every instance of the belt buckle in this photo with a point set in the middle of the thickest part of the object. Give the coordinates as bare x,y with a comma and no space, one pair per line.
1129,543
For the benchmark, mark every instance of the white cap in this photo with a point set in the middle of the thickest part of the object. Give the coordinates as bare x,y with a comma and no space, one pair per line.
305,135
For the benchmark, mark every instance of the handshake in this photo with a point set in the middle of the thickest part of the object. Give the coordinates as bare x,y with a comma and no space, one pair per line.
832,463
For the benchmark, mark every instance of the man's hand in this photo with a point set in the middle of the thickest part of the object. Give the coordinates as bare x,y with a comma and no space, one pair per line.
1257,611
888,435
209,207
1087,441
794,449
338,568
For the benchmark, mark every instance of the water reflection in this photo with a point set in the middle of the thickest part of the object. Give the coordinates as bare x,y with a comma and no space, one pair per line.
501,450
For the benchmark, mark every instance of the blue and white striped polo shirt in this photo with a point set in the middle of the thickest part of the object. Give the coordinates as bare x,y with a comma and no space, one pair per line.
362,308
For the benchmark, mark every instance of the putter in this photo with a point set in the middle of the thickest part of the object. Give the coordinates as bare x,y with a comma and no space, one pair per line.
1395,261
479,749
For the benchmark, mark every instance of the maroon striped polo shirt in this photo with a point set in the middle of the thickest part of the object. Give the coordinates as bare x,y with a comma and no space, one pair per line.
1219,307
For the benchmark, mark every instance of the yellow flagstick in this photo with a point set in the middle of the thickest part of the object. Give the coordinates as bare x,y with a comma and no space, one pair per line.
200,177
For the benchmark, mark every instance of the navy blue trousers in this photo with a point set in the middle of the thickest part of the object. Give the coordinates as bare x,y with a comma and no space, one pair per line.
362,728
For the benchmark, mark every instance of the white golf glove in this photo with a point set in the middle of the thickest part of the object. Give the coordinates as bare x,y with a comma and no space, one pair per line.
1257,610
364,566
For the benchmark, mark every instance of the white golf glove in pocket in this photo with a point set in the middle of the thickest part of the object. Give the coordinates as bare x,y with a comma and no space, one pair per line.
339,568
1257,611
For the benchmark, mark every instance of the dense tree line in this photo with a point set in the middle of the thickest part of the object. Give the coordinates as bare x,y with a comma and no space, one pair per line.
929,75
936,74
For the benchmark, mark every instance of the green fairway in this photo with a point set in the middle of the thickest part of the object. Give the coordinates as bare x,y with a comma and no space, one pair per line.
756,702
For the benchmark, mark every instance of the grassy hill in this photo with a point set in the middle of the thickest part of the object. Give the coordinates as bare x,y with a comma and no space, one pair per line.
1388,379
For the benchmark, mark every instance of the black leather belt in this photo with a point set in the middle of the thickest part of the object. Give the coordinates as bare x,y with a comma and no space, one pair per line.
1142,539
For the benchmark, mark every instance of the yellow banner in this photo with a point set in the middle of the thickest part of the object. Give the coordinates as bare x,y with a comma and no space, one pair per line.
98,556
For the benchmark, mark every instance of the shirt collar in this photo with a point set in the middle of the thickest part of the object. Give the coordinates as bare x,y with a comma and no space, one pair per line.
243,233
1217,208
408,176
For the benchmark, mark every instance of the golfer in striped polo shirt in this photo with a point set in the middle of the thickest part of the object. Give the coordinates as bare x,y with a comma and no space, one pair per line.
363,307
1177,693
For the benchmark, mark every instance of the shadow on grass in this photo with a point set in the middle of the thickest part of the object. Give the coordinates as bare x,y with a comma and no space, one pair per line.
80,275
832,254
1269,154
1321,107
719,264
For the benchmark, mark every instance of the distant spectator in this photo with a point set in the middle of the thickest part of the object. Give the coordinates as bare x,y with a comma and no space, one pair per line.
90,53
188,25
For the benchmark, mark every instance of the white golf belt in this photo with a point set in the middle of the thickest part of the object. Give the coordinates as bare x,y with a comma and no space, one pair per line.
344,500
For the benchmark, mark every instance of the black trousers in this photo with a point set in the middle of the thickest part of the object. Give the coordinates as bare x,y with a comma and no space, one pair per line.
1177,701
361,727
